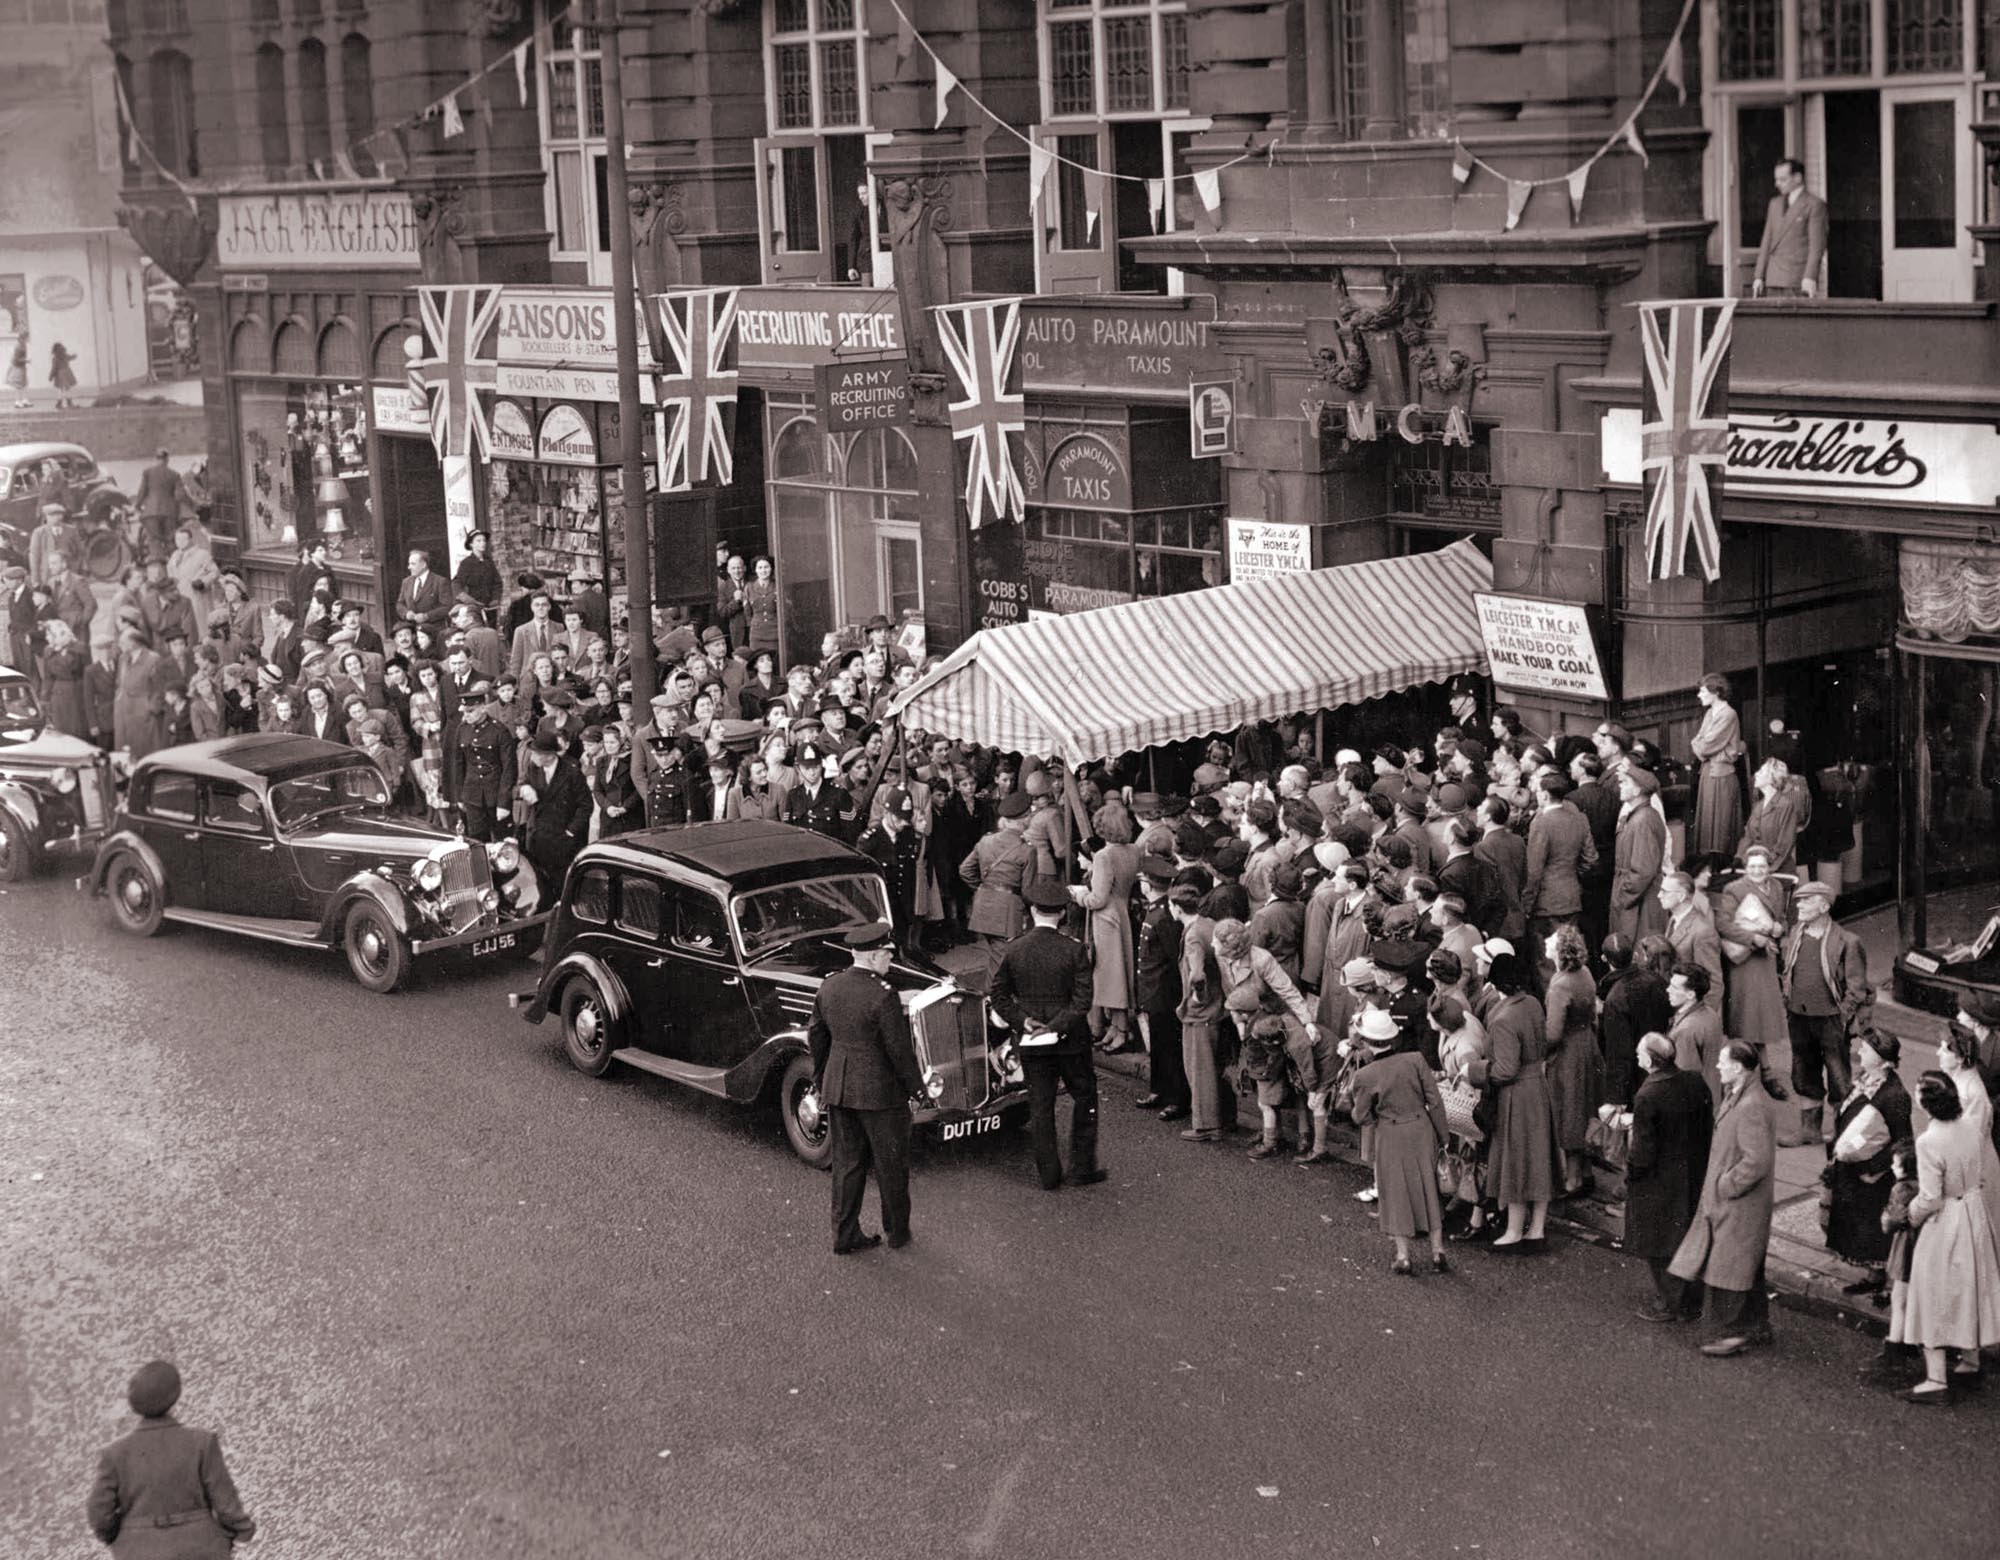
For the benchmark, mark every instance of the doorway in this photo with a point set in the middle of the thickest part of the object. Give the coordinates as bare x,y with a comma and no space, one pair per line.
1854,194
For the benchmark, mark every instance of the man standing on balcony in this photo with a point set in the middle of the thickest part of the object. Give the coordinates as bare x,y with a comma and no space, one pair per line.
1794,238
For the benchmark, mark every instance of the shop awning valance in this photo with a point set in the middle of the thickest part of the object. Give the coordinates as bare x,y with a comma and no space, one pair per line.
1092,685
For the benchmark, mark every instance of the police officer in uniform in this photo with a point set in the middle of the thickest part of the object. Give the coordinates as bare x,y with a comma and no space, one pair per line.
482,770
865,1069
816,802
1042,992
893,845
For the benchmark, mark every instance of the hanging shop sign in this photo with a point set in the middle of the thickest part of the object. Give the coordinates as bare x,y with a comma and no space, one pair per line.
340,230
566,438
854,396
1540,646
1085,472
802,327
1848,460
1211,417
1259,549
508,433
1127,349
563,327
55,293
397,411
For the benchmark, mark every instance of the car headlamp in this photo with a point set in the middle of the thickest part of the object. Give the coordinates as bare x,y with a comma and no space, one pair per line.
490,899
64,780
933,1083
430,874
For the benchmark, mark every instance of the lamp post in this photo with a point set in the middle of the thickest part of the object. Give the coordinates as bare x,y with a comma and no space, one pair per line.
624,315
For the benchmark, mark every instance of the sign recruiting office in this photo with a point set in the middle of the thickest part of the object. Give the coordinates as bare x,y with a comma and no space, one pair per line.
1540,646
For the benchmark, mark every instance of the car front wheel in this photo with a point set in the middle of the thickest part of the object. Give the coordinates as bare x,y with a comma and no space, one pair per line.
808,1127
137,901
17,850
376,952
589,1031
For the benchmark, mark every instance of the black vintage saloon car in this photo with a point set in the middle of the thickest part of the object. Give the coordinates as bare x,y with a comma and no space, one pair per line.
290,839
56,791
696,953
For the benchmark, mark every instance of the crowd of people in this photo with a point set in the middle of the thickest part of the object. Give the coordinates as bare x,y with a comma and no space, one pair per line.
1480,950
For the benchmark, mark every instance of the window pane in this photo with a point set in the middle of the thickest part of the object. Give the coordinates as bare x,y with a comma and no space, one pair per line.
1925,35
839,89
789,16
905,583
595,77
1760,144
639,906
1128,62
699,921
600,166
799,174
590,897
1174,45
1749,39
1352,109
1833,37
836,15
1070,68
1427,68
569,200
562,100
1926,168
273,108
173,797
1073,230
315,113
792,64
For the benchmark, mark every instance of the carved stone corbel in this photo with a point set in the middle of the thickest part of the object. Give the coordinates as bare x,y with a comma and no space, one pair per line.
442,225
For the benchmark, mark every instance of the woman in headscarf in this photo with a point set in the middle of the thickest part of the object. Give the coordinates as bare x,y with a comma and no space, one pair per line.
1718,747
1873,1118
1398,1095
1953,1301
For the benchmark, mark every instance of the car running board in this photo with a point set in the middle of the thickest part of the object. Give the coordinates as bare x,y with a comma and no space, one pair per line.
298,934
710,1080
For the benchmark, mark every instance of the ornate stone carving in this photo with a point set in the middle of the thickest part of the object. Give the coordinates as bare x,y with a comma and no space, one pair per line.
919,215
441,229
1446,377
497,18
716,7
175,235
658,219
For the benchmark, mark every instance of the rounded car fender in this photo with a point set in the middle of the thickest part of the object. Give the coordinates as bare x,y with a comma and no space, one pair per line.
371,886
127,841
588,964
762,1068
22,804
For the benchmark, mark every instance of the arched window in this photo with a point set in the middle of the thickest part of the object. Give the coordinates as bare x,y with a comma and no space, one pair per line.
170,112
315,113
273,109
357,88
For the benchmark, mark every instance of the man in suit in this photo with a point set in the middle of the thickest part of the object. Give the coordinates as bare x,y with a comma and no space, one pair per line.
1473,880
535,637
1507,854
313,577
1042,992
1794,241
423,598
482,644
1597,800
1560,851
1639,857
1671,1119
865,1069
1696,1031
162,606
1156,971
70,597
1690,930
1823,972
481,779
164,1487
560,805
159,504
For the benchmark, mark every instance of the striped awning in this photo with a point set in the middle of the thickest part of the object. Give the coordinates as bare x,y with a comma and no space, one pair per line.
1092,685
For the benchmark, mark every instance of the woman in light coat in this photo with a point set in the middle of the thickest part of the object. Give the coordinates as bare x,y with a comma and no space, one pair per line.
1114,873
1749,924
1717,825
1255,988
1521,1173
1576,1063
1399,1095
1953,1300
1725,1244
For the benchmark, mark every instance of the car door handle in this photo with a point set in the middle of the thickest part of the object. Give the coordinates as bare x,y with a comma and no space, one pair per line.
730,980
267,849
192,834
653,964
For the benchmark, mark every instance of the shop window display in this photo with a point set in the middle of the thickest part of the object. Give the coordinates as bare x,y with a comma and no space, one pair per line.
558,519
305,467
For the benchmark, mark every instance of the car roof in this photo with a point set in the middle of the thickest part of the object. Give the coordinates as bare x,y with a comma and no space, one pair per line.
15,454
271,756
743,853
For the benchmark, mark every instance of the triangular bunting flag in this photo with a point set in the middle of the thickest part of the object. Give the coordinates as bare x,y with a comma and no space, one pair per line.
1208,185
1156,201
1093,204
1461,165
945,82
454,121
1040,161
521,71
318,169
1578,178
1676,67
1633,144
1518,191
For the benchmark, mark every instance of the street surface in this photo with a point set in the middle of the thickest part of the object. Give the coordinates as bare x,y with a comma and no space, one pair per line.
447,1299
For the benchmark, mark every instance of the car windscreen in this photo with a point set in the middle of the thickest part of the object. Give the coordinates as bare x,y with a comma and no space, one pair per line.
769,918
20,715
297,802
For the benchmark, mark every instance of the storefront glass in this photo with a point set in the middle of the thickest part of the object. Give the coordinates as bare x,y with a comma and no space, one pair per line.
1077,559
559,516
304,450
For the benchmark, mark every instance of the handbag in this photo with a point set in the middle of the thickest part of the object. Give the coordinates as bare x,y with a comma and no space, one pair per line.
1461,1107
1610,1141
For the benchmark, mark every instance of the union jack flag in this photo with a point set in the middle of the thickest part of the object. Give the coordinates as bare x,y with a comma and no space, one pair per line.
457,321
696,386
1684,432
979,342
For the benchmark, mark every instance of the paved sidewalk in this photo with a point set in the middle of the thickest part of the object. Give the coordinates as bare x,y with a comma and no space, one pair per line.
1800,1270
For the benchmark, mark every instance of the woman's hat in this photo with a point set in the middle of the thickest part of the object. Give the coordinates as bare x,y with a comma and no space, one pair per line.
1013,805
155,1387
1644,780
1379,1027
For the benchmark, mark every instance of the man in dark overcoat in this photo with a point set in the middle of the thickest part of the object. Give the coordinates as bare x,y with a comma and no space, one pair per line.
893,845
865,1069
1042,991
1157,980
559,798
1671,1117
163,1492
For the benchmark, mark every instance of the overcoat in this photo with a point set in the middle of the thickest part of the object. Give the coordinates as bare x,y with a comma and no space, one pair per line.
1672,1121
1731,1229
163,1492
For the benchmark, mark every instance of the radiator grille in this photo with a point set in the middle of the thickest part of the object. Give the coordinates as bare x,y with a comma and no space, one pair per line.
466,877
950,1028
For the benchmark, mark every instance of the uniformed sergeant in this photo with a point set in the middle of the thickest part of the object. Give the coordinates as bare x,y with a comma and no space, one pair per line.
894,846
483,765
818,803
866,1071
1042,992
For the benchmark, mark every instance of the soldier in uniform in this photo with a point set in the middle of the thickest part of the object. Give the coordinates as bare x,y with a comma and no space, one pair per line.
816,802
1042,991
866,1071
482,770
894,846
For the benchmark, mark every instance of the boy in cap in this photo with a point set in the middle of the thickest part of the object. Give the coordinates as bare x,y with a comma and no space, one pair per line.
164,1487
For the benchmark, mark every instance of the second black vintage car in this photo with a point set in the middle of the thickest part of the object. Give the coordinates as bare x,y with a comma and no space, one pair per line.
291,840
56,792
696,954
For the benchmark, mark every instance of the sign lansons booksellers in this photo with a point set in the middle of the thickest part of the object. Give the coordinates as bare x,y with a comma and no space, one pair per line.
343,229
1540,646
